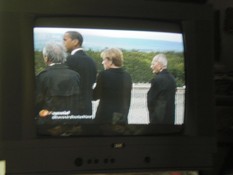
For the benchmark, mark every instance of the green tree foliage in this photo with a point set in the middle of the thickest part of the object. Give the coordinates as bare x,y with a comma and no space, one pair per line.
176,66
39,62
137,63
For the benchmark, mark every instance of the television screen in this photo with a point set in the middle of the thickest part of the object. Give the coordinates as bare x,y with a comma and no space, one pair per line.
139,47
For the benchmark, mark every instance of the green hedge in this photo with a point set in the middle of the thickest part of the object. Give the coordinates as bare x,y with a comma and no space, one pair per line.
137,63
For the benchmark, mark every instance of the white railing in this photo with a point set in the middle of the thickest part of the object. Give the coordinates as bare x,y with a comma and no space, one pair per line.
138,113
138,110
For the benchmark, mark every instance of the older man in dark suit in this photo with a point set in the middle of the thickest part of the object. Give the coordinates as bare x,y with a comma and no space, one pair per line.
161,95
57,87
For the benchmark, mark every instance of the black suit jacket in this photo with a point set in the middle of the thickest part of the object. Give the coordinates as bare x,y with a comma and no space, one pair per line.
57,89
113,88
86,67
161,98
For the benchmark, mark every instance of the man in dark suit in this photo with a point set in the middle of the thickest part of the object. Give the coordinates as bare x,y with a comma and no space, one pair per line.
80,62
161,95
57,87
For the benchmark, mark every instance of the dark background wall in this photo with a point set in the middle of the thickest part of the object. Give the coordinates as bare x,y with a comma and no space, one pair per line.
224,32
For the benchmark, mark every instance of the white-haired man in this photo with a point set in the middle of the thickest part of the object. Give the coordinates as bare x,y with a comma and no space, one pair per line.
57,87
161,95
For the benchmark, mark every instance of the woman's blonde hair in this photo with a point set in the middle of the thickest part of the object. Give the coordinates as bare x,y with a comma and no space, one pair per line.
113,54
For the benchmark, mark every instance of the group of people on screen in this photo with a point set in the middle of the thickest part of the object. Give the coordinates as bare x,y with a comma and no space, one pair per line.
67,83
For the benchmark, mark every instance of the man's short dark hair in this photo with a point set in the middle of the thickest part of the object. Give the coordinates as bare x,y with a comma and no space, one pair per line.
76,35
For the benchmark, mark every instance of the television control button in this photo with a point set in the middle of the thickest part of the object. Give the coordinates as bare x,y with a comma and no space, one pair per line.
78,162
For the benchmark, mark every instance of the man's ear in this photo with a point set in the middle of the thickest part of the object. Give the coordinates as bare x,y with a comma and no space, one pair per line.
45,59
76,42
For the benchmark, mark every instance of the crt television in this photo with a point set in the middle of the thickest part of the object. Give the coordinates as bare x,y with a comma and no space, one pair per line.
184,31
